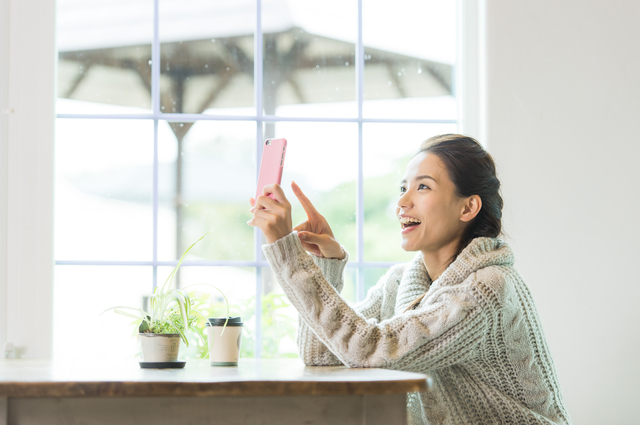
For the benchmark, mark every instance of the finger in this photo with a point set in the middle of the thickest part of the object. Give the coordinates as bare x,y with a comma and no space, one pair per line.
252,201
312,238
312,249
257,222
309,247
302,226
311,242
265,202
261,220
276,191
304,201
263,215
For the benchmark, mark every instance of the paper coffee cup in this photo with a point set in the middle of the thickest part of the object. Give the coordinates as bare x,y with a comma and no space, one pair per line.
224,346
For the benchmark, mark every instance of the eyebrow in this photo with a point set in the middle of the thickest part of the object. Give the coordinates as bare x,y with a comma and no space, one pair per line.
419,178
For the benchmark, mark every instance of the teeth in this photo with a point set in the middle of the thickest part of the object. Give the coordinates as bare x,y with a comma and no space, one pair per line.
405,220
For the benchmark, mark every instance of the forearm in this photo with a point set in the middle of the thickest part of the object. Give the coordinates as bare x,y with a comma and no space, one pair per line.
447,331
314,352
333,269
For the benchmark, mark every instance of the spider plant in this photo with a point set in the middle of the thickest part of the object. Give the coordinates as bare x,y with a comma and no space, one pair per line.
170,309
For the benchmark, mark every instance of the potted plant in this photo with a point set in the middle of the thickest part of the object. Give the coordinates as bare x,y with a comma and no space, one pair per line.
169,317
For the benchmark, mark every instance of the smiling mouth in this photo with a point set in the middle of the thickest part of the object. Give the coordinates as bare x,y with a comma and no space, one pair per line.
407,222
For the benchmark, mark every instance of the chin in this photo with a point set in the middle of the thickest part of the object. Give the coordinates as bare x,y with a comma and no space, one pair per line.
409,248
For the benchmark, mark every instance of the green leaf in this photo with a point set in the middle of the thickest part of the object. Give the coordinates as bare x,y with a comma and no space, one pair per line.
144,325
182,335
173,272
225,300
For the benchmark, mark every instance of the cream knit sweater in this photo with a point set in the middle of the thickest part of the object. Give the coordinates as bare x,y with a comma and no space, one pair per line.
476,333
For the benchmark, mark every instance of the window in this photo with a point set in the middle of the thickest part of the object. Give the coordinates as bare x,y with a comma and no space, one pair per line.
161,113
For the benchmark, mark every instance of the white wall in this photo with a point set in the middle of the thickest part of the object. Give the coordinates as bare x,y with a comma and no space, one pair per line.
27,58
562,113
4,99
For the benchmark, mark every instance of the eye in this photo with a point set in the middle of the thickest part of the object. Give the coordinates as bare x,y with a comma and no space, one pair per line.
421,186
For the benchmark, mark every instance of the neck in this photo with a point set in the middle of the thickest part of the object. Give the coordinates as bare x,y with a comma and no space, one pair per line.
437,262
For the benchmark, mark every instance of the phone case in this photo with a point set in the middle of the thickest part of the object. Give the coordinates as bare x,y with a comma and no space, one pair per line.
273,151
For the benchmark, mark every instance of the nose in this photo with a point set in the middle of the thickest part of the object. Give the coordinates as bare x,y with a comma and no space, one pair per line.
404,201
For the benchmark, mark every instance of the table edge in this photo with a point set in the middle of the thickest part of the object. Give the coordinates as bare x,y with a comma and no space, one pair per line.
208,389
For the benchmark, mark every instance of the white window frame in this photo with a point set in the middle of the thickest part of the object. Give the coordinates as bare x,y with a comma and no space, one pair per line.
26,159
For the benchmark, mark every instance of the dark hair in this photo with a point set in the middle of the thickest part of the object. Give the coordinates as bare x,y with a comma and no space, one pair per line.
473,172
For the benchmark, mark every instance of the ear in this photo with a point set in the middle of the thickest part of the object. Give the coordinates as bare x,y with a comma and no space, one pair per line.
471,208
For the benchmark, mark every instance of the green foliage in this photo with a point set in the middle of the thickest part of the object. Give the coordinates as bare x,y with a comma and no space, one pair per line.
170,309
338,206
276,325
199,216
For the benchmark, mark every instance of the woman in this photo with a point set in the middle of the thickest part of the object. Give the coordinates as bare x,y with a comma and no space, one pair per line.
458,311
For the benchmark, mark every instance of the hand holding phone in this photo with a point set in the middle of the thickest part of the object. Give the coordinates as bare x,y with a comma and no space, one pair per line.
273,151
274,221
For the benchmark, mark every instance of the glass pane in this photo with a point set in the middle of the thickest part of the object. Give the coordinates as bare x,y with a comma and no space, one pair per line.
388,148
238,285
372,276
104,56
309,58
279,320
207,57
206,187
103,190
322,159
80,294
349,289
409,59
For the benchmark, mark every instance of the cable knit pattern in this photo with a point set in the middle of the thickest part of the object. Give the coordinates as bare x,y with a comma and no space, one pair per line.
476,332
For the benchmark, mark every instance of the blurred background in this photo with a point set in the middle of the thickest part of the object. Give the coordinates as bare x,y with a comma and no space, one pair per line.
146,166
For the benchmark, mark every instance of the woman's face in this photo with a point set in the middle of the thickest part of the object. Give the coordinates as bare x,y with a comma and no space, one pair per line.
427,197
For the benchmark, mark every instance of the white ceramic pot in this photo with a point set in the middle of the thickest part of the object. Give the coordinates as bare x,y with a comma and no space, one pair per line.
160,347
224,345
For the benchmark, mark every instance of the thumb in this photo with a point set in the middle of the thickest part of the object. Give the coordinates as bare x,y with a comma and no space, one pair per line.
307,236
311,242
313,238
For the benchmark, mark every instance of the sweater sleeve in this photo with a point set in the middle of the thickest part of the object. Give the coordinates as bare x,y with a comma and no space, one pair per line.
444,332
312,351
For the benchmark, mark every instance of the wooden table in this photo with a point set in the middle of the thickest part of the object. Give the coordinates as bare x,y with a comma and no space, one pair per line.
256,392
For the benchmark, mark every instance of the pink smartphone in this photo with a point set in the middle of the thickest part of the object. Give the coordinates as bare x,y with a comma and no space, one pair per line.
271,165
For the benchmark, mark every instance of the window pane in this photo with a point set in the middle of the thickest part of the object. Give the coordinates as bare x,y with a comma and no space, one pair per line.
238,285
207,56
279,320
206,187
104,56
309,58
388,148
409,59
322,159
103,190
80,294
349,289
372,276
